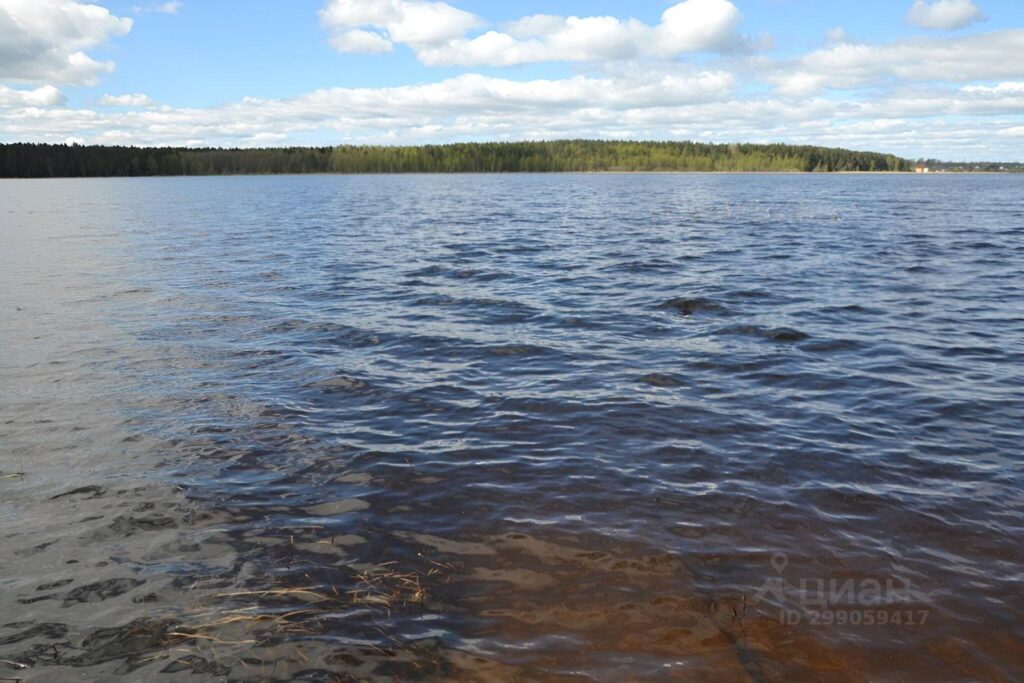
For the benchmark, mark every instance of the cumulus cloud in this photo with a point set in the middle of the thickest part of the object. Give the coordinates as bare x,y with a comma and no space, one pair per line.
697,25
1008,88
129,100
957,97
361,41
45,96
944,15
636,101
44,41
849,65
438,32
466,106
375,25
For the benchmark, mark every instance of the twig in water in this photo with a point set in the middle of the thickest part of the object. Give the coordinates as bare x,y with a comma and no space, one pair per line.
196,636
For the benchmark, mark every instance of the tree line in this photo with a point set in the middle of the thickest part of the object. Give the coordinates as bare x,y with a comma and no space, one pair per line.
972,166
27,160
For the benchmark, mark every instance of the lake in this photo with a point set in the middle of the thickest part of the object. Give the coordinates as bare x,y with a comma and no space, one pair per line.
529,427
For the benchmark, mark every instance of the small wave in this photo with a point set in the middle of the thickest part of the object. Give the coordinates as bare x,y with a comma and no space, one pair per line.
516,350
693,306
654,265
850,308
296,330
656,379
833,345
428,271
777,334
492,310
339,384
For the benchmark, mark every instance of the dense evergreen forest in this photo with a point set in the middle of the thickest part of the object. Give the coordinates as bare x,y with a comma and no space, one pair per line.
46,161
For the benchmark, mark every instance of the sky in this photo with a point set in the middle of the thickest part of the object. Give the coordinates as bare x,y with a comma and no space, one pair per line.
919,78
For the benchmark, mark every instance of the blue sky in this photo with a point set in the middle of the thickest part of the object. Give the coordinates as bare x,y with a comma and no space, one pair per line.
933,78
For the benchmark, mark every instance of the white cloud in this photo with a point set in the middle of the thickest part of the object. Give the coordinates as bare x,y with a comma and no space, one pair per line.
44,41
1008,88
469,105
171,7
361,41
939,102
698,25
543,39
266,138
957,60
957,97
634,101
45,96
129,100
838,35
438,32
360,24
944,15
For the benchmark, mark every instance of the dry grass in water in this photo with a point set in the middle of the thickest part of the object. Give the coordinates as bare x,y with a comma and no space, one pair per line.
225,635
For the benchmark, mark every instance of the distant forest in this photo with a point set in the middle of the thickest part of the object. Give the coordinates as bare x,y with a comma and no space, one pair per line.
972,166
23,160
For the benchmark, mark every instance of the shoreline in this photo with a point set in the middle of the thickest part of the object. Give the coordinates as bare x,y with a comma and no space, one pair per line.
519,173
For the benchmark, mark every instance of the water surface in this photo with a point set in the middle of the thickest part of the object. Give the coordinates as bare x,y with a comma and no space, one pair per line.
607,427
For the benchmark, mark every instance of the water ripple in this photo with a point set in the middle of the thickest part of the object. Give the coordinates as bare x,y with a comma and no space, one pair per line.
512,428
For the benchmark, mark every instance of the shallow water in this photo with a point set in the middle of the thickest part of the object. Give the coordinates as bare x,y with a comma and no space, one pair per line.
606,427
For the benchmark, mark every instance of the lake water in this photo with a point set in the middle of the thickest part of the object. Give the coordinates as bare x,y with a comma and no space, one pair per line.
607,427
